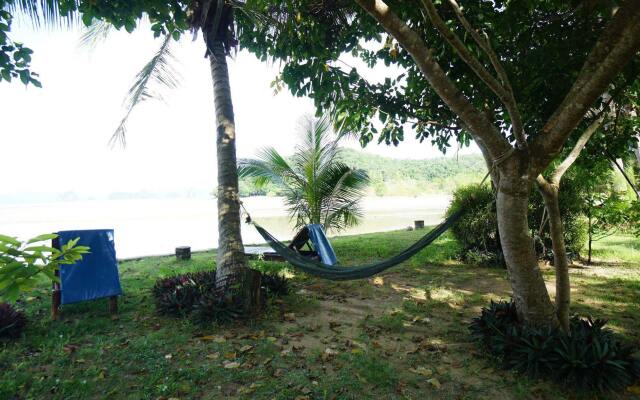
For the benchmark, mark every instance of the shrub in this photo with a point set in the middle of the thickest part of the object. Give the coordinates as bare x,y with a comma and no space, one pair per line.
177,295
275,285
590,359
477,228
214,307
12,322
196,294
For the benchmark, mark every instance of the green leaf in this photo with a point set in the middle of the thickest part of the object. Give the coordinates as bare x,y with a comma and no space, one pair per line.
10,240
24,76
41,238
87,19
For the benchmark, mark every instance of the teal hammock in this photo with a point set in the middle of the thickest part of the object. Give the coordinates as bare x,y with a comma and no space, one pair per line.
339,273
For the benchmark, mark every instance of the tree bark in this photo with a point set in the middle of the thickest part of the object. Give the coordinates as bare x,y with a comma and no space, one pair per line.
549,193
231,260
529,290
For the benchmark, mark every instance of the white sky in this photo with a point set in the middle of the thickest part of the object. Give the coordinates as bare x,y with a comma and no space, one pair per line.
55,139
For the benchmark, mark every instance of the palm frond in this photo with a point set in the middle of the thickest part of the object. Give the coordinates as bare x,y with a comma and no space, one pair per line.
317,187
95,34
159,72
45,12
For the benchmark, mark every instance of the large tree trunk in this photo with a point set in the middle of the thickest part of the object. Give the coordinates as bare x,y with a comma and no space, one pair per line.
560,259
231,262
529,290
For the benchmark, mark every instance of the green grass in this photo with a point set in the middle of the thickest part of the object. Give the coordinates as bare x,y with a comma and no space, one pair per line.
401,335
618,248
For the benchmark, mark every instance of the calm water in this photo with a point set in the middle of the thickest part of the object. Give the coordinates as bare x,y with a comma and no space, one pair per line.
154,227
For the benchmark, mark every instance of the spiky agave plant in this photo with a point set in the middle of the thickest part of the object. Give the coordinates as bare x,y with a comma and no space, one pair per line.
317,186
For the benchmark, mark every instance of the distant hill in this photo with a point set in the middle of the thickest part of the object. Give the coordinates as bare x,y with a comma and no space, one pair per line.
394,177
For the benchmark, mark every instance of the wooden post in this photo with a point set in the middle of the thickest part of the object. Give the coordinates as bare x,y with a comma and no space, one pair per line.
113,305
252,288
55,301
419,224
183,253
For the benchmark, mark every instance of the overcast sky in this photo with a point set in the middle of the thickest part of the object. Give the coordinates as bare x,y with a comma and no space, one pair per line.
55,139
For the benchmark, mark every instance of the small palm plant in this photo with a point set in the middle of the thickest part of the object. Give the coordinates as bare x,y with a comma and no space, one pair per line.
318,188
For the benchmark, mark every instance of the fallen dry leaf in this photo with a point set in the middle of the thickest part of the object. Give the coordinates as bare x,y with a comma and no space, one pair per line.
426,372
435,383
213,338
289,316
634,390
213,356
231,364
246,348
70,348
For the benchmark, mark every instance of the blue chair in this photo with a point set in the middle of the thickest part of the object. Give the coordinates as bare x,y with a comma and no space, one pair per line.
93,277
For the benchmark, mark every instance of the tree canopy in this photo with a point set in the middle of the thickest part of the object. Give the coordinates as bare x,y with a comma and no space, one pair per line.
541,46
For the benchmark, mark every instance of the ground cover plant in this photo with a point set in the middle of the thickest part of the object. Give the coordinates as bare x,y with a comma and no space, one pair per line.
590,359
402,334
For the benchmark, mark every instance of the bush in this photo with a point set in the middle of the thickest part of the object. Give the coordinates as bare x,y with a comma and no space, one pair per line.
213,307
12,322
477,228
177,295
591,359
196,294
275,285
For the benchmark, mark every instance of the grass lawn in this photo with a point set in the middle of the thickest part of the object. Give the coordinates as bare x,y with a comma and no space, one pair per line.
402,334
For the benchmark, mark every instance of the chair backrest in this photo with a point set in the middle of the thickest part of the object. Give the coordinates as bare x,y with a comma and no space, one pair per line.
96,275
300,239
321,244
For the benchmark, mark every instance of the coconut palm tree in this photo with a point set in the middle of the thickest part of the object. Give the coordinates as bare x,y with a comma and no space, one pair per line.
317,187
215,19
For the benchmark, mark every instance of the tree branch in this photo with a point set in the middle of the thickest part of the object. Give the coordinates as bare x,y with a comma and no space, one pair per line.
464,53
575,152
614,49
624,174
480,127
510,100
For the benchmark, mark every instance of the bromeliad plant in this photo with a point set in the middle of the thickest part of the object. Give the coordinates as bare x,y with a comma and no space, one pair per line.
591,359
23,262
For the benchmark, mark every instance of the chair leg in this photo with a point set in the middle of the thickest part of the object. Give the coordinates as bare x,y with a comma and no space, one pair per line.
113,305
55,304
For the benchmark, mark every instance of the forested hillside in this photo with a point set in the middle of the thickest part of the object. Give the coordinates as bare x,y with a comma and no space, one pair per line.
394,177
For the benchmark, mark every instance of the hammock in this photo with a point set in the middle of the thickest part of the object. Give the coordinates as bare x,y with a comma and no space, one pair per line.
338,273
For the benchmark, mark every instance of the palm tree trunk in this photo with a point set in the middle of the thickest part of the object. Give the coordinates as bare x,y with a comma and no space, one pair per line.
231,262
